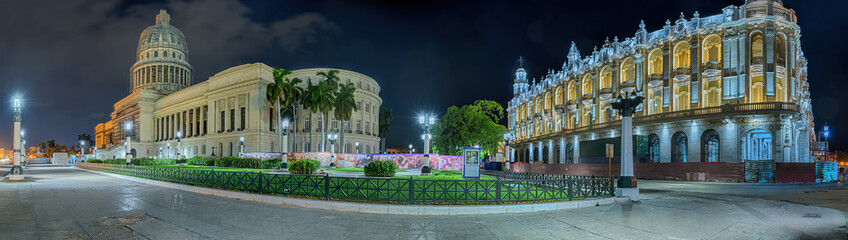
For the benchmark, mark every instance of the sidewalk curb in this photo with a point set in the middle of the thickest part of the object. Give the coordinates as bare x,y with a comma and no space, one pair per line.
375,207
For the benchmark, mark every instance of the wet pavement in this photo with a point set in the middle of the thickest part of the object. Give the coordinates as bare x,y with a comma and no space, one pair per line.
66,203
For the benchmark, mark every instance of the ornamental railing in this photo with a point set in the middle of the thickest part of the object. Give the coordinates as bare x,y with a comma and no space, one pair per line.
504,189
696,113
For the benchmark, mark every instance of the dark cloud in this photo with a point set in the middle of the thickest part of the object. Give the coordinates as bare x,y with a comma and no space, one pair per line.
71,58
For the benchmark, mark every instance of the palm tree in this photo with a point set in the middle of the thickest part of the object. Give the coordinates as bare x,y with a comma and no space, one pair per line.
331,77
344,105
321,99
284,93
385,124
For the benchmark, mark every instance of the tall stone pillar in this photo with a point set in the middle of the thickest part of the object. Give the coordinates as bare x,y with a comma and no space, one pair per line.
17,172
626,104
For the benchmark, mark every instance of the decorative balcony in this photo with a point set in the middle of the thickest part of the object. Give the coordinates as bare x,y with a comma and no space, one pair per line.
606,93
712,68
656,79
756,60
683,115
587,96
559,107
682,75
628,85
571,104
537,115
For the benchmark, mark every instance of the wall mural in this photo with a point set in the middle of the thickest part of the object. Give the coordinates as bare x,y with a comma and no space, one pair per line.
404,161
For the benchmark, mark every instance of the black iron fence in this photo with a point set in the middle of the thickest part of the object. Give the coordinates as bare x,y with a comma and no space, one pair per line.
507,188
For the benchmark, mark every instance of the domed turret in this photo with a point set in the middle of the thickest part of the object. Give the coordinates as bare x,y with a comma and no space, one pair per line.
161,58
520,82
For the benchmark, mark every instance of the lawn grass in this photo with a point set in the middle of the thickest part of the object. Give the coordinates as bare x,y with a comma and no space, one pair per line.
352,170
443,187
225,169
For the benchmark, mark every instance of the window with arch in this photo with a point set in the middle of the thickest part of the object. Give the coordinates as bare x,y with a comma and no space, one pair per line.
710,146
678,147
572,91
155,54
780,65
681,55
712,49
588,85
569,153
757,84
655,62
653,148
628,70
606,78
558,96
548,100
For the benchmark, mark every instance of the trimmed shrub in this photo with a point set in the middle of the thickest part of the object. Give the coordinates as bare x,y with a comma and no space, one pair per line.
273,163
224,161
305,166
94,160
119,161
152,161
201,161
246,162
381,169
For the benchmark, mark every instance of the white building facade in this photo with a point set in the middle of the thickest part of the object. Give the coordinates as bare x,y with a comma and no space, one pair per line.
171,117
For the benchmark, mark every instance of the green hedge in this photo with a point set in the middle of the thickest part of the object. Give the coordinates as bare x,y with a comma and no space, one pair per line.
152,161
94,160
119,161
305,166
273,163
380,169
201,161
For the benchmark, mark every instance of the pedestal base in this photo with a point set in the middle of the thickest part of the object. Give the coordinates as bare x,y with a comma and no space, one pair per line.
16,177
425,171
632,193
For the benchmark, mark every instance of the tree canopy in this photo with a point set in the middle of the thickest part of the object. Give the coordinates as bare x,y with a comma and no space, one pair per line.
469,125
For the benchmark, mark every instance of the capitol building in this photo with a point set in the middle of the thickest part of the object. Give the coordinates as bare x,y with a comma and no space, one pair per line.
730,87
172,116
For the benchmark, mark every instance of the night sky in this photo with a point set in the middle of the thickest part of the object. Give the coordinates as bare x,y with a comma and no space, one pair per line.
70,60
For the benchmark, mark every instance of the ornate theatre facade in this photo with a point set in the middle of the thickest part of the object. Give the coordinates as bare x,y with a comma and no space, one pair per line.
729,87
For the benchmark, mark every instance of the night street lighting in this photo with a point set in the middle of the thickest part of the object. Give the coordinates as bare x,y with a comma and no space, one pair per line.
357,147
179,145
410,148
332,137
17,172
427,121
507,137
128,126
626,104
285,143
241,146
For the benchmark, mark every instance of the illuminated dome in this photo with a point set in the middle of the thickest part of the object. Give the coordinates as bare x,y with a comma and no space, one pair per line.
161,58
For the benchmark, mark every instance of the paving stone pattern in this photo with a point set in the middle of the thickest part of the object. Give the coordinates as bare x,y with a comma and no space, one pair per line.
65,203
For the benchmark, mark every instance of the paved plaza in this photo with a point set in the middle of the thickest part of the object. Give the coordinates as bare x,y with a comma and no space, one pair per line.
66,203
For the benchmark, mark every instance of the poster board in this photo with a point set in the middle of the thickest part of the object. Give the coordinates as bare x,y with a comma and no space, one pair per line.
471,162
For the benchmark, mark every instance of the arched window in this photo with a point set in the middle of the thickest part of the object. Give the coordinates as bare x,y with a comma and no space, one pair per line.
678,147
155,54
681,55
655,62
780,64
569,153
572,91
588,85
557,151
606,78
757,145
757,84
526,155
545,155
628,71
558,96
653,148
712,49
710,146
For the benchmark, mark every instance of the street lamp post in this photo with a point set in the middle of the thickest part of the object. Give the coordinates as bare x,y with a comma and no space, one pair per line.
357,147
241,146
17,172
507,137
82,149
129,129
179,145
410,148
23,149
284,152
332,137
626,104
426,121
